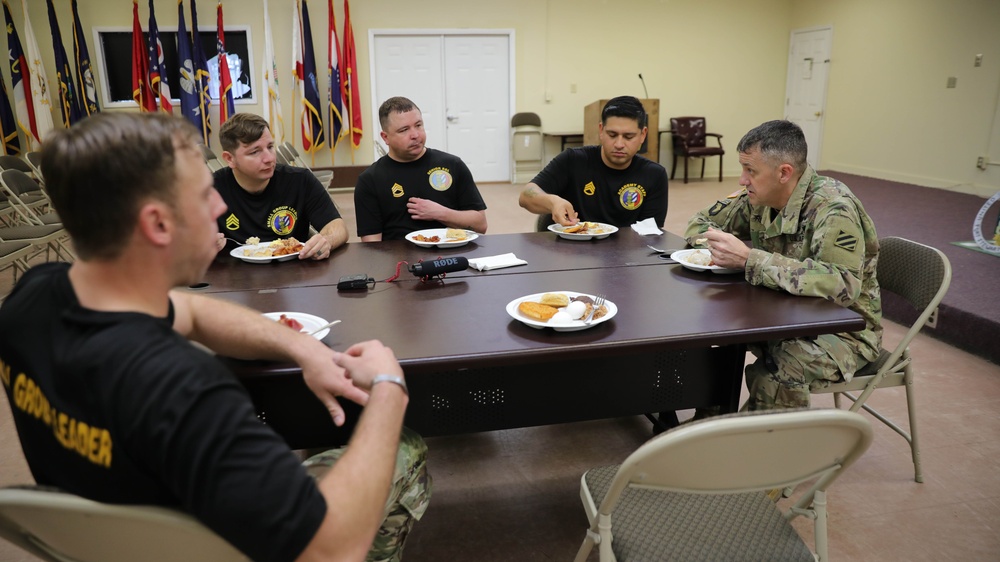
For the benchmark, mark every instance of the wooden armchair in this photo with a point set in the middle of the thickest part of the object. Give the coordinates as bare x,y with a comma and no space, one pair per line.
688,134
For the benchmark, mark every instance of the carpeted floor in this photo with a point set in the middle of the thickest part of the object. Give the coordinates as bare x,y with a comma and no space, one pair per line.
969,315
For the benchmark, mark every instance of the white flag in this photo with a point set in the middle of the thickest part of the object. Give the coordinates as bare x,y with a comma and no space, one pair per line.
39,84
269,71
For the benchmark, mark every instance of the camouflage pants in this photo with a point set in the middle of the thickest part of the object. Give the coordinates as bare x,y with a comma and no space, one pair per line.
785,370
408,498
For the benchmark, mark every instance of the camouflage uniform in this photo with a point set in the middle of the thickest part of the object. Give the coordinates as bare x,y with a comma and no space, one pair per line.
822,244
408,498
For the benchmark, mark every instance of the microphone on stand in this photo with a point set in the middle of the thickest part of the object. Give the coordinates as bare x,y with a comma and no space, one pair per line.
644,90
438,266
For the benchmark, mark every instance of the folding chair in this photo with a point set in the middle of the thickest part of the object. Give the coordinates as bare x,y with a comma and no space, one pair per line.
921,275
60,527
14,255
698,492
213,161
34,160
295,159
27,198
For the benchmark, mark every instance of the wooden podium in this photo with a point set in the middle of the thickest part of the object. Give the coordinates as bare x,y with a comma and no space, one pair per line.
592,117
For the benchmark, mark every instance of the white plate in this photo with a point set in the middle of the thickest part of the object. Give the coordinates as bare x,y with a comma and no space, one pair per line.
439,232
238,253
308,321
571,326
608,231
682,256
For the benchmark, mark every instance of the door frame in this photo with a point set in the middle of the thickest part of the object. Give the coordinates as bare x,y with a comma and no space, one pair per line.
377,32
826,87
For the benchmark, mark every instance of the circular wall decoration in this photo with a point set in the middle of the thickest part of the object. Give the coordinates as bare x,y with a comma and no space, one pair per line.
977,227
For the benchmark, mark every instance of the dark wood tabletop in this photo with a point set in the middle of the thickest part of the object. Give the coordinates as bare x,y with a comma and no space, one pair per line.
544,251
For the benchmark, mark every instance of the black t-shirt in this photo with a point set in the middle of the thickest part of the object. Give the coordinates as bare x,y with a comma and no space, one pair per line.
292,201
119,408
603,194
384,188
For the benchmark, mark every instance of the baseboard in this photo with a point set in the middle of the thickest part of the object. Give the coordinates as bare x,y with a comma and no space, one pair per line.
981,190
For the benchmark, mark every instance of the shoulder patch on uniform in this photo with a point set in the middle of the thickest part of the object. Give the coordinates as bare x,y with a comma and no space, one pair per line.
736,193
719,205
846,241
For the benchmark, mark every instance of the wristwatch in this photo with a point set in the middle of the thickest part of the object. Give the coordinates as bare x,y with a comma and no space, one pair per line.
393,379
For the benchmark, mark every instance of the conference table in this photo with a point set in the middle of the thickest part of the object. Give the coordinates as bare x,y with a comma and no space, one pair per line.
678,339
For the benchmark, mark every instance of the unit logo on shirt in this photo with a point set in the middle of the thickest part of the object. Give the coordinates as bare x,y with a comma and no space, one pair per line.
589,189
631,196
282,220
439,178
232,223
397,190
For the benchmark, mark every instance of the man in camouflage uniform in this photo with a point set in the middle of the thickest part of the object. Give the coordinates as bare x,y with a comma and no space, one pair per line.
810,236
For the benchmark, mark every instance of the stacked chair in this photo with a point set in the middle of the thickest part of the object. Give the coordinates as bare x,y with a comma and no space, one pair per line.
293,158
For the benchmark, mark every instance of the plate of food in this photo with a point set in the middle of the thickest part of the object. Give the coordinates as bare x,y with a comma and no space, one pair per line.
584,230
300,321
255,251
442,237
563,311
700,260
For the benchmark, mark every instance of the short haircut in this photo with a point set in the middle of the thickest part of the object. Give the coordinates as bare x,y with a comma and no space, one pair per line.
628,107
99,172
779,142
245,128
397,104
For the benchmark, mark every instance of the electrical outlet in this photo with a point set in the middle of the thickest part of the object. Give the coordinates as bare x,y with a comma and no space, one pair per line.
979,60
952,82
932,319
981,162
572,88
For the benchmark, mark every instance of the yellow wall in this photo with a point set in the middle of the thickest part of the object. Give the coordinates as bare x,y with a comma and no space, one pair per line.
888,113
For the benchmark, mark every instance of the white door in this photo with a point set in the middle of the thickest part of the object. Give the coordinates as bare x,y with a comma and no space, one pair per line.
805,90
461,82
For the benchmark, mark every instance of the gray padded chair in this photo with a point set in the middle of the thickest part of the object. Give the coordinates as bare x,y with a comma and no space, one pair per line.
14,255
27,198
699,491
60,527
526,146
213,161
921,275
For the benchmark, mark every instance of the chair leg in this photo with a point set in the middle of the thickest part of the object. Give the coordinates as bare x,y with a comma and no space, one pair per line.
911,408
673,171
702,167
686,158
820,536
836,400
720,167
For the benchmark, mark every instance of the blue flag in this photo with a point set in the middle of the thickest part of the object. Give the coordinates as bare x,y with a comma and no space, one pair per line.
86,83
202,78
312,120
68,102
190,107
8,127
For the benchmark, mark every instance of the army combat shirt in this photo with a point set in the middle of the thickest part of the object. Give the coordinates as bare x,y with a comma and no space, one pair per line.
821,244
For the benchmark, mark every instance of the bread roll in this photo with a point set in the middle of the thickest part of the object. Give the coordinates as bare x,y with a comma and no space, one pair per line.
455,234
555,299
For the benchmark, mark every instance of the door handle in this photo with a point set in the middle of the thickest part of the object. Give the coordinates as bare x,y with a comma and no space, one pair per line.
451,118
819,113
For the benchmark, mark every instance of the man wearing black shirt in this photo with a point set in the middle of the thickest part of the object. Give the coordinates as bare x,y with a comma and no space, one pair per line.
606,183
268,200
114,403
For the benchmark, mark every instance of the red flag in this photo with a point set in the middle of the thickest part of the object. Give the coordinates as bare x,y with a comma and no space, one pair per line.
350,80
141,91
226,107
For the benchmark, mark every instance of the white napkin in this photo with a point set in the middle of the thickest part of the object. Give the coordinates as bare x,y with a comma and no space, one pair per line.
647,227
496,262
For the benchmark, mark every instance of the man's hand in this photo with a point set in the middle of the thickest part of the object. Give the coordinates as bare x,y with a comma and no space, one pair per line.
426,210
563,212
366,360
727,250
220,243
317,248
327,380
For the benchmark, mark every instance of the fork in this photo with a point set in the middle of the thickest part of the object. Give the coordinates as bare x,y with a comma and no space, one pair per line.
598,302
659,251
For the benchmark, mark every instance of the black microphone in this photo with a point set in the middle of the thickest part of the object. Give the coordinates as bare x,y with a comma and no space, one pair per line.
438,266
644,86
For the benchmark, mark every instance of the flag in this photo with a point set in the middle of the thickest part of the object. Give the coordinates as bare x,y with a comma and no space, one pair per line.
20,81
8,128
68,102
350,78
39,83
335,91
189,94
141,92
297,54
202,78
86,90
226,106
312,122
269,70
157,70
